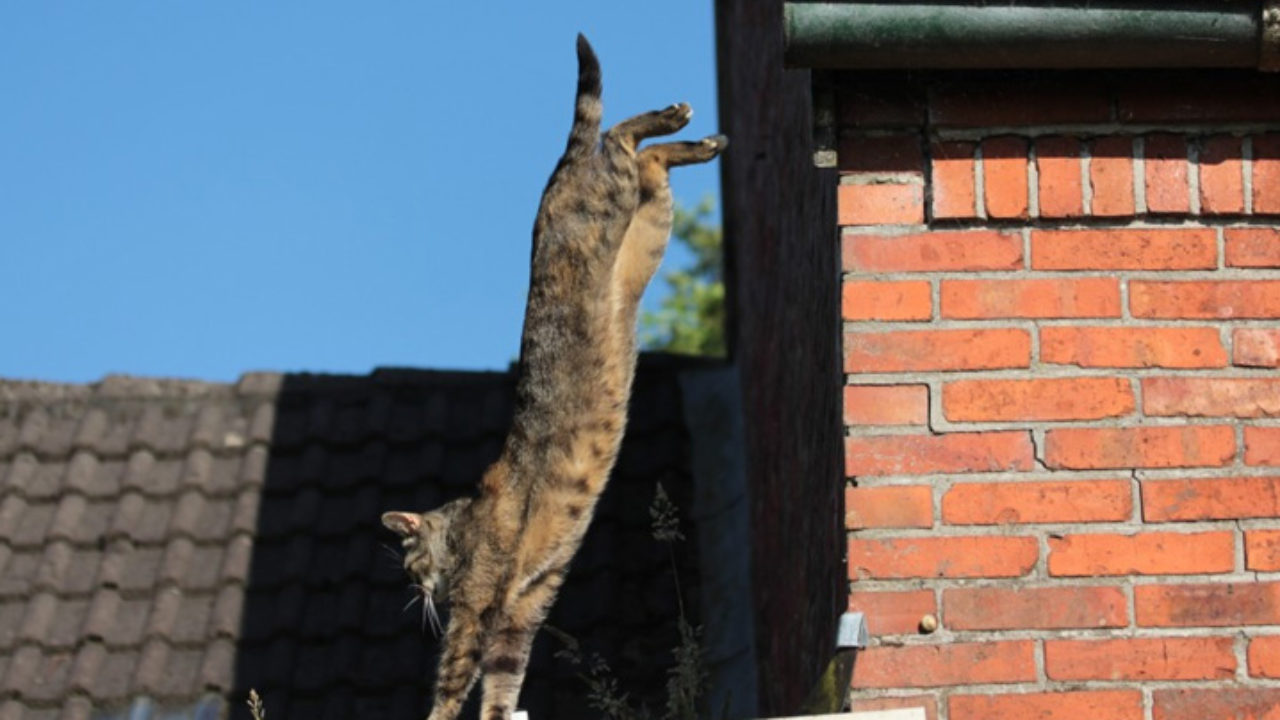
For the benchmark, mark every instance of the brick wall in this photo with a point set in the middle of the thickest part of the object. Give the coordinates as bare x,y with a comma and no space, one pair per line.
1061,305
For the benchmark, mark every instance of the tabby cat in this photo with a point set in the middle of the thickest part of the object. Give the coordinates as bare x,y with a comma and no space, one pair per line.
499,558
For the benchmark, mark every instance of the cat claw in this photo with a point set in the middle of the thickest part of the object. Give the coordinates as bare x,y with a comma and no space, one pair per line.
682,111
716,142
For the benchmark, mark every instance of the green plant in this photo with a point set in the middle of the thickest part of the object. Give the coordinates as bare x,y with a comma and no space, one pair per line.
686,679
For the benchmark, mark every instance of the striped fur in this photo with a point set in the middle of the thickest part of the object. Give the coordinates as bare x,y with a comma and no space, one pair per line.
499,558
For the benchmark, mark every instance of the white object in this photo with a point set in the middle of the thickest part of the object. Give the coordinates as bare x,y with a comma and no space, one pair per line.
522,715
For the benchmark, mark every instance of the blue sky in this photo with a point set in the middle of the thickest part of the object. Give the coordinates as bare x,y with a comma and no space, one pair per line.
201,189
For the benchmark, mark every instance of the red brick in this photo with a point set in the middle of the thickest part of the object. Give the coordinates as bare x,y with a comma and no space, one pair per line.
1228,498
897,506
1166,174
880,204
954,663
942,557
1211,397
1124,249
1031,298
1221,175
1207,604
952,178
1219,703
1003,103
1004,172
922,350
925,454
1266,174
1222,299
933,252
1252,247
1131,347
1082,398
1139,447
927,702
886,404
1256,347
1111,177
1264,656
1262,446
1200,658
887,300
1050,608
1150,553
898,153
1056,705
1058,168
1262,548
893,613
1006,503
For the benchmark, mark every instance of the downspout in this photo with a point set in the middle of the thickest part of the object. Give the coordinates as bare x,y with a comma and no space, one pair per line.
950,35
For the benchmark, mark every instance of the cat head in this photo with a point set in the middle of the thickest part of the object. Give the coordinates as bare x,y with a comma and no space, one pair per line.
429,557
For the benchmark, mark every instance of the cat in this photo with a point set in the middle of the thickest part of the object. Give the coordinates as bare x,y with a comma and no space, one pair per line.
499,558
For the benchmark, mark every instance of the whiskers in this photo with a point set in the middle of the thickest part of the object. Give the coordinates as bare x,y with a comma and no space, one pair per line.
396,557
429,613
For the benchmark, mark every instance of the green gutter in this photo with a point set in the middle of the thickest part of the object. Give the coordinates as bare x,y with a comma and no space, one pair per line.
1203,33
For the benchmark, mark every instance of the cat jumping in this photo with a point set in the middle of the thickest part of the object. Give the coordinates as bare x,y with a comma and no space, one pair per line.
499,558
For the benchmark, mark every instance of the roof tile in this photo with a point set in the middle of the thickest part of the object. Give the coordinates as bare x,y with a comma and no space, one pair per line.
66,517
19,571
205,571
244,514
217,671
262,426
236,559
206,428
82,473
9,428
81,574
33,525
304,510
114,678
260,383
100,621
12,612
53,567
93,428
76,708
12,510
193,614
197,469
86,666
187,514
24,665
164,617
224,476
253,469
227,612
67,623
18,474
52,671
148,676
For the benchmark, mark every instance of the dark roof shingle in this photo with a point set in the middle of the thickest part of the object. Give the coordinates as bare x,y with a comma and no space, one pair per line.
169,544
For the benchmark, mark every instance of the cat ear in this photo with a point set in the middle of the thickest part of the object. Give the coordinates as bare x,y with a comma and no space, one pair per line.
402,523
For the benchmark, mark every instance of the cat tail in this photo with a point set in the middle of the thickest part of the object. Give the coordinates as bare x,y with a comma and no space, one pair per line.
587,109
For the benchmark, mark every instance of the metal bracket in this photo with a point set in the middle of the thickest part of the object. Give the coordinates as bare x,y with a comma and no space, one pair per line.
853,631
